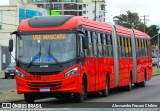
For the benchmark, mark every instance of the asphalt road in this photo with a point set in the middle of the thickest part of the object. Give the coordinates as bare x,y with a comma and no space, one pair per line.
7,85
150,93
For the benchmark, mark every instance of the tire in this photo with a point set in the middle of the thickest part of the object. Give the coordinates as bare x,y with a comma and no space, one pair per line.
79,97
29,98
6,76
136,85
12,77
143,84
129,87
105,92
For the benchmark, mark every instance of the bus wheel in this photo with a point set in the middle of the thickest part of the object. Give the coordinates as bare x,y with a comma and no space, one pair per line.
29,98
79,97
129,87
105,92
143,84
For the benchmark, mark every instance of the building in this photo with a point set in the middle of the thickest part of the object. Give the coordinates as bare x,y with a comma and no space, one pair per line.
85,8
10,17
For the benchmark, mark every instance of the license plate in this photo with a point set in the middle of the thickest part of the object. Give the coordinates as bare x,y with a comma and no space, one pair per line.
33,77
44,89
11,73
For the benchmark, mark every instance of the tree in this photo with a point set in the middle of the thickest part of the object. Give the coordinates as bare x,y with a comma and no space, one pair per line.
153,33
128,20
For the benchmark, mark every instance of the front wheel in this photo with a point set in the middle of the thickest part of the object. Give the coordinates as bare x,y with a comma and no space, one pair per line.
29,98
79,97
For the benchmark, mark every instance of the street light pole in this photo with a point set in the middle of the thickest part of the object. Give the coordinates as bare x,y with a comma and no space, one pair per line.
95,10
158,46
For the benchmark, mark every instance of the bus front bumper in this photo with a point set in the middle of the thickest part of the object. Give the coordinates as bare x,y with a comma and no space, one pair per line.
70,84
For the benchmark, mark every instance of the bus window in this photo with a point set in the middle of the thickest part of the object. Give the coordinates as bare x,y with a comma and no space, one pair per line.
119,46
94,37
88,52
104,45
99,45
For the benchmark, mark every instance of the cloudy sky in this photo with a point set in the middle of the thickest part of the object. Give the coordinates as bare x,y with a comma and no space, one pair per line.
150,8
4,2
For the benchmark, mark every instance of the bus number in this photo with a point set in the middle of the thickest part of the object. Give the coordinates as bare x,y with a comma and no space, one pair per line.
33,77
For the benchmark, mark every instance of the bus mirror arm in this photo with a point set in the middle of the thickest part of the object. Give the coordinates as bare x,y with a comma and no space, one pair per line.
82,55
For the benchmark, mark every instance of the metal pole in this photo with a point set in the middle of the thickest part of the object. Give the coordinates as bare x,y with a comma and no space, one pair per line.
95,10
50,7
158,49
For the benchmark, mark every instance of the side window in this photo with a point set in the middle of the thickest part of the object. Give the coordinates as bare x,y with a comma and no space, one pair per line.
90,50
129,47
94,37
143,51
119,46
81,45
99,45
146,51
104,45
123,47
109,45
137,48
140,47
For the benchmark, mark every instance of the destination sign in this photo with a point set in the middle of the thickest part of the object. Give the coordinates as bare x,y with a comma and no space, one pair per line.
49,37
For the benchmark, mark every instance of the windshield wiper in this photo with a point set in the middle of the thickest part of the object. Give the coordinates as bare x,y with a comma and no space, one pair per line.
37,55
49,52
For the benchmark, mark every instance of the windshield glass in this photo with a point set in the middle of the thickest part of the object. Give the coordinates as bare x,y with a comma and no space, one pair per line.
61,46
12,64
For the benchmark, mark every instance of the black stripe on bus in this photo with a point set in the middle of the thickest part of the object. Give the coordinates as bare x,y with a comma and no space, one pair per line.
48,21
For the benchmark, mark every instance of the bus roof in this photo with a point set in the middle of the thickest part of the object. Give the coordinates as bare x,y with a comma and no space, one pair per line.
65,22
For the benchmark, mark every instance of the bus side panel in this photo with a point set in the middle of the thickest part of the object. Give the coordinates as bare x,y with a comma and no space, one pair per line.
149,68
110,71
125,66
90,71
140,69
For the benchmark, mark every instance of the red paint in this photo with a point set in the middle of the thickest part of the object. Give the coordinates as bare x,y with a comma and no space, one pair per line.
95,68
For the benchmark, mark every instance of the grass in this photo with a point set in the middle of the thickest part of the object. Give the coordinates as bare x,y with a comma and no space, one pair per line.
155,72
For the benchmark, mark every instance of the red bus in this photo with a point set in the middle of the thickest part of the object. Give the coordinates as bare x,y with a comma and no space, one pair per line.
65,56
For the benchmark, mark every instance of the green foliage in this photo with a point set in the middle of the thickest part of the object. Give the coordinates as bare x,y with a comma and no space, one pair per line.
130,20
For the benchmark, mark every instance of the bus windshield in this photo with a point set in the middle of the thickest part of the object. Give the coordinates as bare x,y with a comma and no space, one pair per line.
46,48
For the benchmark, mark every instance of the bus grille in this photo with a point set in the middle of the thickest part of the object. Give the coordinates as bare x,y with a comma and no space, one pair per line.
38,85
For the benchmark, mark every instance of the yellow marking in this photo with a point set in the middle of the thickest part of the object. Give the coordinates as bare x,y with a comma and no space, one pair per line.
36,37
50,37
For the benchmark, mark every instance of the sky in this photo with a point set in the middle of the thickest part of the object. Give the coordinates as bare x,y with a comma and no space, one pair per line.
151,8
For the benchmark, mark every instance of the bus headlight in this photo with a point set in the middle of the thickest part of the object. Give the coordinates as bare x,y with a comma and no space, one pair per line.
20,74
71,72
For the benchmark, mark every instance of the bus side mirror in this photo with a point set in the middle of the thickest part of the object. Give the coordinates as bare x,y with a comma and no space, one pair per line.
85,42
10,45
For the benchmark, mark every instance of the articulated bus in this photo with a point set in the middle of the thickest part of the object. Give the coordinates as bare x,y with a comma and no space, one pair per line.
63,56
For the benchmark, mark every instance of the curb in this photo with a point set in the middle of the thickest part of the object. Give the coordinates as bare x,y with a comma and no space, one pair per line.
13,101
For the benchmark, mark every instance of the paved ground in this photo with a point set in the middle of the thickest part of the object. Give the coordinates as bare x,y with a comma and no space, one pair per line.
8,90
